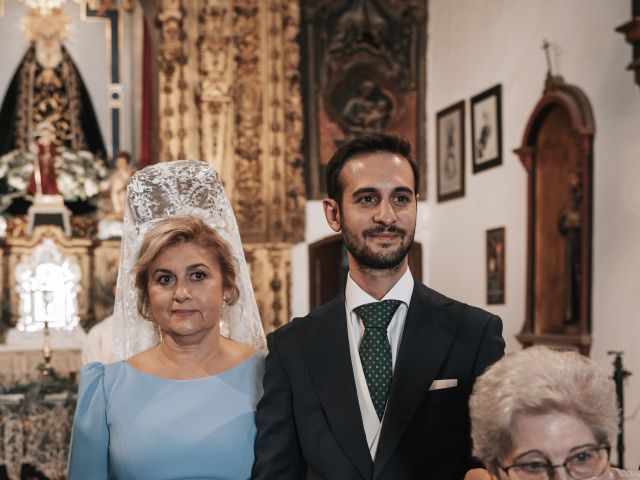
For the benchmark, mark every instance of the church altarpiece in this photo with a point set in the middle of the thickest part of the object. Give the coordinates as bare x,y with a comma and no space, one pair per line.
229,94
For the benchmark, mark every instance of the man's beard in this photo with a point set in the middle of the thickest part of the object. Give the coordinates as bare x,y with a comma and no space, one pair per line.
365,257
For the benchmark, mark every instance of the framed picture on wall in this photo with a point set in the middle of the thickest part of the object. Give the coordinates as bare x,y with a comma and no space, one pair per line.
495,266
486,129
450,156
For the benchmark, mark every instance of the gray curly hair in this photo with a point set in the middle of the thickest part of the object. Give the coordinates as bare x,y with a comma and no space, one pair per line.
538,380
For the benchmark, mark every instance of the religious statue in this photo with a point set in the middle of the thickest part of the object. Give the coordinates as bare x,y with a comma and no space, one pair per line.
116,184
47,101
368,111
47,86
43,178
570,227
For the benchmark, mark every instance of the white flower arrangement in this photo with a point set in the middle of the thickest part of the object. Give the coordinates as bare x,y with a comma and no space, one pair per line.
78,173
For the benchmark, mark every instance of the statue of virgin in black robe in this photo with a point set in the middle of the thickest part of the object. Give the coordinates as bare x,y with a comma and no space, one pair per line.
47,87
53,93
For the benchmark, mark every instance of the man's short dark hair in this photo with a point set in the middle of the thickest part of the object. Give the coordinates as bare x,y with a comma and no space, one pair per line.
372,143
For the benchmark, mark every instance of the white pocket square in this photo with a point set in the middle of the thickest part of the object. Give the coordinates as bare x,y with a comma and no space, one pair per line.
444,383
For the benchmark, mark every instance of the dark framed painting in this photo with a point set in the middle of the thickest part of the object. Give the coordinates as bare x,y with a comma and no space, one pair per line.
496,266
486,129
450,148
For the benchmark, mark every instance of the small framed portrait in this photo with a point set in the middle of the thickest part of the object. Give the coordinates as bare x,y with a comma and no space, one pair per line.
486,129
495,266
450,157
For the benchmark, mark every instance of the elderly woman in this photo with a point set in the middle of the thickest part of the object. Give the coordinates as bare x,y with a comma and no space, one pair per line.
184,407
543,414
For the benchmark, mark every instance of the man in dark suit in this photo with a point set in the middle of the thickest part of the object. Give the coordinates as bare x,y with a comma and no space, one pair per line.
374,384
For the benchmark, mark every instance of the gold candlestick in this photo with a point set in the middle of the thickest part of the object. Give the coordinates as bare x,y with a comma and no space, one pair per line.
47,352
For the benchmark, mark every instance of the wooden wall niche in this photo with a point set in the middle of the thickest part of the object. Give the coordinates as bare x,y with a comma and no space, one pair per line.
557,152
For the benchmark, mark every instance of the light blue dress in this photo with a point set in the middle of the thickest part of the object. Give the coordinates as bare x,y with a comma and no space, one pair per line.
131,425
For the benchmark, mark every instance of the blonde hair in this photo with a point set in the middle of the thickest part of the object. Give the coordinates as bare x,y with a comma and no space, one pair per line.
538,380
174,231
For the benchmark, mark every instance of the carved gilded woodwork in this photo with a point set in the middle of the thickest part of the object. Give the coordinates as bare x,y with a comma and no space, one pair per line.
81,227
249,198
270,265
172,62
230,96
295,193
229,80
214,96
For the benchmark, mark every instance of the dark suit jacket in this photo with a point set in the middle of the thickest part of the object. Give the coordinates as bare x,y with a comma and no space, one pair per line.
309,422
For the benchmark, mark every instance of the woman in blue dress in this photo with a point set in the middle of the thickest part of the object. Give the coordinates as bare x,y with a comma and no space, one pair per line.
181,403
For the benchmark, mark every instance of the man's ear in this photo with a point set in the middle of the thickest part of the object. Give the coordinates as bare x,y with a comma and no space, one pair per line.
332,214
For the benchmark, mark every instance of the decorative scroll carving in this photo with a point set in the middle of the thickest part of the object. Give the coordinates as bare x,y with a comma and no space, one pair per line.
248,201
270,265
366,72
293,125
213,95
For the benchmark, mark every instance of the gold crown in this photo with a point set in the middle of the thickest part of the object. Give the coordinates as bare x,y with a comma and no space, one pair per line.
53,24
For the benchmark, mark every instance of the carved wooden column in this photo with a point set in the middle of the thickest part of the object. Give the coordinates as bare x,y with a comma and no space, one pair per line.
174,82
230,96
557,154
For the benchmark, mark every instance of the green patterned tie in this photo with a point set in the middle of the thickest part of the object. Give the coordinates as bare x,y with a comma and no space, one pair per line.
375,350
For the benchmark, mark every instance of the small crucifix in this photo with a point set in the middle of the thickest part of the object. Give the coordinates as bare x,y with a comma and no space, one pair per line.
546,46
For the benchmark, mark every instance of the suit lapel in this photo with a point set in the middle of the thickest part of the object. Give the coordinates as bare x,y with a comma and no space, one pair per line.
426,338
326,349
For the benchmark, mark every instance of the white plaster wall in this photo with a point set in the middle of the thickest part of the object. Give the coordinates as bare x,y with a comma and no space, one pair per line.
475,45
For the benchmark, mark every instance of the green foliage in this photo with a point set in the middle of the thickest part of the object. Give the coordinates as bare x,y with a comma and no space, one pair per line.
38,390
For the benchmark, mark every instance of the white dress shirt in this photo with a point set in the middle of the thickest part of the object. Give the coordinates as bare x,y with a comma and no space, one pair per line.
354,297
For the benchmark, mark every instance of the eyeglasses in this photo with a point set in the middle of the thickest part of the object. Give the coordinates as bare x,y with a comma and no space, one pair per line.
582,465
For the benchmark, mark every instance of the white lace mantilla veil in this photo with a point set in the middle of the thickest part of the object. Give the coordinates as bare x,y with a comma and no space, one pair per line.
182,187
